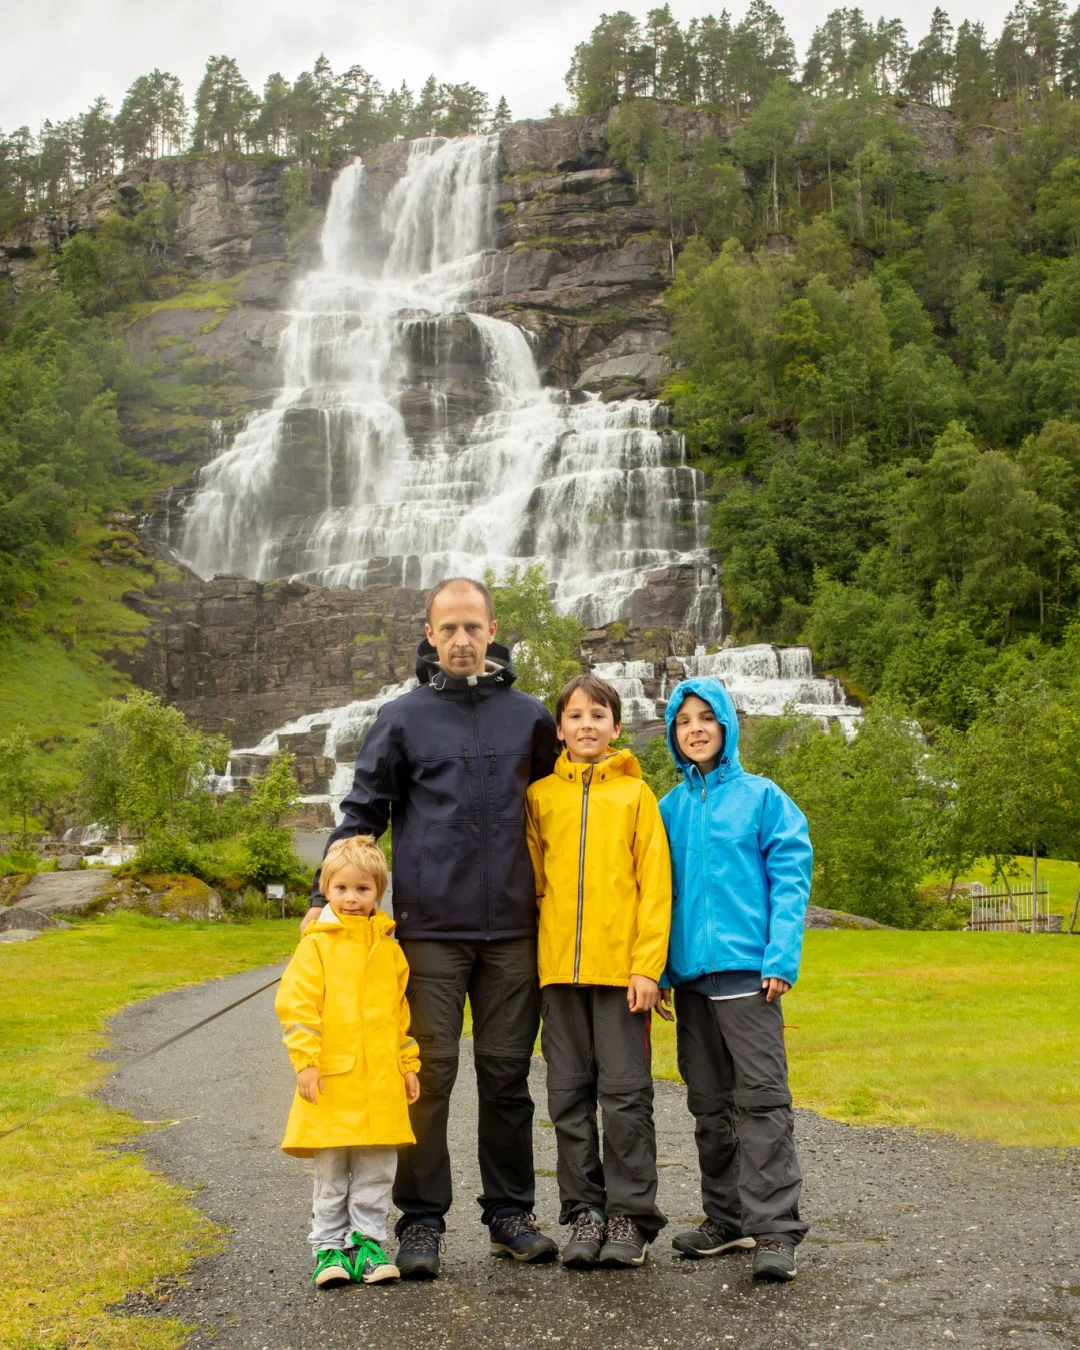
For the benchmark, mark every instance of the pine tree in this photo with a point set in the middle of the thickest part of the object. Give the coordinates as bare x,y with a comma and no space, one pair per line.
224,106
502,116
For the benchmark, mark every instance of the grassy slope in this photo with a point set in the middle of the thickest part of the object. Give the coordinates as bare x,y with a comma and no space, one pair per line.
973,1033
54,674
65,1192
1062,877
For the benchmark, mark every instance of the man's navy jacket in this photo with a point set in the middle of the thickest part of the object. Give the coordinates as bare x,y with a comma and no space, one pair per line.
448,764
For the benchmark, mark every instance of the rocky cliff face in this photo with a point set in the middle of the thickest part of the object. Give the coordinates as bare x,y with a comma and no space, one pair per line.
580,262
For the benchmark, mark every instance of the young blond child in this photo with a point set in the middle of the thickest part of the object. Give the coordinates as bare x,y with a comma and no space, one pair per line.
346,1028
603,882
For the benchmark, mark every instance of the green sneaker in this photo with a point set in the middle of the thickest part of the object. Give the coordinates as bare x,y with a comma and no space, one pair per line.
331,1267
370,1264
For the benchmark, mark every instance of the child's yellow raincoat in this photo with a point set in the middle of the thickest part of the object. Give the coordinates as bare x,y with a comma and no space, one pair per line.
342,1005
603,873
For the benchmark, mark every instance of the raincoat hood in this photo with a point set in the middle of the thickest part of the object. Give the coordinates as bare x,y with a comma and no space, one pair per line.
622,762
709,688
498,670
330,920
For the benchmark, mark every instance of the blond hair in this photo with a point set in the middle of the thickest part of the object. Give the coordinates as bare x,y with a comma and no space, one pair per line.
360,851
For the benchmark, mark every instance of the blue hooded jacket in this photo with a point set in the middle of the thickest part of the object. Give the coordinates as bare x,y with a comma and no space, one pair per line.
740,858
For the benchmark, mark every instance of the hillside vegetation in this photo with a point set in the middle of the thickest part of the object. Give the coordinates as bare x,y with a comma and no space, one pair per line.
875,315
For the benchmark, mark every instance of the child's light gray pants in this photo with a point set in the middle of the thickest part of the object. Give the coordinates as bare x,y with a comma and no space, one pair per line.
352,1191
732,1059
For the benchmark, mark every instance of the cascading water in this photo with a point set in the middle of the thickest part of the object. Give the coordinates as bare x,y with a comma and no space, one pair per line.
413,440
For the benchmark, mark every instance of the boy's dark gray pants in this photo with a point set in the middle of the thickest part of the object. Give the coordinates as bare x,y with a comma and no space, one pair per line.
732,1058
598,1051
501,983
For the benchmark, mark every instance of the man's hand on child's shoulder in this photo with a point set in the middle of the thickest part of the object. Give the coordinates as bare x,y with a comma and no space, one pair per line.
309,1084
412,1087
643,995
774,988
310,917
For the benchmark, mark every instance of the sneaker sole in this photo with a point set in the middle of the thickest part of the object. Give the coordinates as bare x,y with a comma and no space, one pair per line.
537,1258
622,1263
743,1244
381,1273
326,1279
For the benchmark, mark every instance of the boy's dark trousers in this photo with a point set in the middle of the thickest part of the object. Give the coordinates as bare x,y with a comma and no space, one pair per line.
598,1051
732,1058
501,983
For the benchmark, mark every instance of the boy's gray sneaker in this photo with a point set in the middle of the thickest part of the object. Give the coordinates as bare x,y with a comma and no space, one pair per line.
418,1251
774,1259
711,1239
626,1244
516,1234
587,1233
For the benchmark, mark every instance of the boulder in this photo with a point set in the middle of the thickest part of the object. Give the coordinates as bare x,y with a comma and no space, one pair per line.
816,917
17,934
166,897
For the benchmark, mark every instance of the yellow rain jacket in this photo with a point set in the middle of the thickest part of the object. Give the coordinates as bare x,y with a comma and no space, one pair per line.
603,873
342,1005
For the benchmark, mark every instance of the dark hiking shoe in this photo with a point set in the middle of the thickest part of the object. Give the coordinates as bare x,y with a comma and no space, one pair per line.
711,1239
517,1235
587,1233
331,1267
774,1259
418,1251
626,1244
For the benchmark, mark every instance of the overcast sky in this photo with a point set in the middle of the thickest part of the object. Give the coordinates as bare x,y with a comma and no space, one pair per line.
58,55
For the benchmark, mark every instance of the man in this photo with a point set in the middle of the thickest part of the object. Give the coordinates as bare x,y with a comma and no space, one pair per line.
448,765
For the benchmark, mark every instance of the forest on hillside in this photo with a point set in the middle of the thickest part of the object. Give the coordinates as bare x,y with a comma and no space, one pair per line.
875,315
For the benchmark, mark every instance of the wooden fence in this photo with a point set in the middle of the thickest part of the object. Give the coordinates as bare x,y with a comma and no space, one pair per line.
1016,911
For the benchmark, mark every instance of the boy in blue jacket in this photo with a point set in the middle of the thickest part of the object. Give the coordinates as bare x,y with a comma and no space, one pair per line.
741,862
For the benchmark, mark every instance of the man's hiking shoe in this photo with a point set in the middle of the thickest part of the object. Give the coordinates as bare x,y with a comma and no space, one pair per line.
774,1259
418,1251
370,1264
331,1267
626,1244
516,1234
711,1239
587,1233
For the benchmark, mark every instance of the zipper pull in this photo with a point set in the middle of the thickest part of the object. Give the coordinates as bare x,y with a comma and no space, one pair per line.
702,794
492,760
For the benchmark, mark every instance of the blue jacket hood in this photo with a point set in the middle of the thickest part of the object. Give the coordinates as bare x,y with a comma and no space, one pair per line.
709,688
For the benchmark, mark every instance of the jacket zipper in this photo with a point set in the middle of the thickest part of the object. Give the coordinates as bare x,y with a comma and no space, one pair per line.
586,781
483,818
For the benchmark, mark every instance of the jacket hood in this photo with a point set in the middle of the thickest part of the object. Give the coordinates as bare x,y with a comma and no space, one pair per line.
622,762
329,920
499,670
709,688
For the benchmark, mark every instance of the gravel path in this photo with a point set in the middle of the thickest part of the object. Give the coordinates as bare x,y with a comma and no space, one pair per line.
915,1241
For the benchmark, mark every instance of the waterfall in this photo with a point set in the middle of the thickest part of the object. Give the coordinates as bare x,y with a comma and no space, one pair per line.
413,439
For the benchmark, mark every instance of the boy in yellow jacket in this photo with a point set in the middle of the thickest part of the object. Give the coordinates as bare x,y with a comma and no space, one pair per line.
603,883
342,1005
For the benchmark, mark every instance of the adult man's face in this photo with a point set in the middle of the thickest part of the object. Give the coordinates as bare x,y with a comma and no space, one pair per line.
460,630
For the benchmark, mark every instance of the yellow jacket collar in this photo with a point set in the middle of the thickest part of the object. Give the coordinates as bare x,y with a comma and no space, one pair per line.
329,921
622,762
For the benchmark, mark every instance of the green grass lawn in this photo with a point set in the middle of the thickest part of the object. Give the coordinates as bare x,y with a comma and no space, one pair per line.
972,1033
68,1200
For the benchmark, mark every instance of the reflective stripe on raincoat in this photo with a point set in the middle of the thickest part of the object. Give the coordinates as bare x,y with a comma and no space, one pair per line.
603,875
740,856
342,1007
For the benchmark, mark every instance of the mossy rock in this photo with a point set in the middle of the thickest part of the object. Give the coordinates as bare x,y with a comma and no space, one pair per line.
174,896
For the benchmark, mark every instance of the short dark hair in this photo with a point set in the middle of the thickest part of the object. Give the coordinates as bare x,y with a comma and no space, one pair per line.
598,690
450,582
